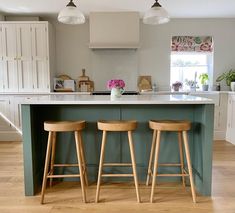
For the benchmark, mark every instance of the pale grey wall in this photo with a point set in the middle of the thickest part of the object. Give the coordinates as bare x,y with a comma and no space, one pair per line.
153,57
2,17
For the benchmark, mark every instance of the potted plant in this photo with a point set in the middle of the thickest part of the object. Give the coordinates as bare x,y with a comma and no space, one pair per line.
191,84
228,77
176,86
204,78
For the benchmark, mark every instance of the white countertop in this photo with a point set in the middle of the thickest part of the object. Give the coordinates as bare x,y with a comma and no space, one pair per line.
142,93
45,93
105,99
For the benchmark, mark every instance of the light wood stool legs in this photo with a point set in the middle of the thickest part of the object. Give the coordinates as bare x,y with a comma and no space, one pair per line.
155,164
134,165
156,144
181,157
48,153
83,159
80,162
101,165
50,158
151,156
185,137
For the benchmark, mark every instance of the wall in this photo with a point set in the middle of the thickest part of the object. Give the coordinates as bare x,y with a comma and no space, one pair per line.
152,58
2,17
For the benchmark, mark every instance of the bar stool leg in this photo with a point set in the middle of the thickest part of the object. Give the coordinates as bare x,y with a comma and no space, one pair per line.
187,152
151,157
46,167
52,156
83,159
77,138
181,156
100,165
134,165
155,167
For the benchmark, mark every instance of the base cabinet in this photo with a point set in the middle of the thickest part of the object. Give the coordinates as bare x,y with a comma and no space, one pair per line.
220,114
230,136
7,118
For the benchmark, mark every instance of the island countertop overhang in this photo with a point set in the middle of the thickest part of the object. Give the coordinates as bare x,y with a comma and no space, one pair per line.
102,99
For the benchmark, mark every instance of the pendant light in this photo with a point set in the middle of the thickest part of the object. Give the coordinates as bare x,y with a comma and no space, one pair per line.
71,15
156,15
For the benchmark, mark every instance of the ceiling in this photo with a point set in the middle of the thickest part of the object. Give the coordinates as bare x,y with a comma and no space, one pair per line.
176,8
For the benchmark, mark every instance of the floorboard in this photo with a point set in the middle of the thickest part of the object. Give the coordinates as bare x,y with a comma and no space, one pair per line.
116,197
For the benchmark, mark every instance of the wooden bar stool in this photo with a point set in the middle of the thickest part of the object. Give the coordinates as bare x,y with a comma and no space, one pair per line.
171,126
64,126
117,126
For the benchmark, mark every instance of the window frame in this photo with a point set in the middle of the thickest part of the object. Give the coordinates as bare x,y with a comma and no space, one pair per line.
209,65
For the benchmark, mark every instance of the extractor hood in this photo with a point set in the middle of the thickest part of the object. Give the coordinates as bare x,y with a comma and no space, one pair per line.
114,30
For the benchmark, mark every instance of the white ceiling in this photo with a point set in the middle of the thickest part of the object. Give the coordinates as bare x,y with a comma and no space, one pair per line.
176,8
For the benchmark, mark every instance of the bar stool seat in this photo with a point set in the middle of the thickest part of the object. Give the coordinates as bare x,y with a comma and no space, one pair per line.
117,126
180,126
170,125
64,126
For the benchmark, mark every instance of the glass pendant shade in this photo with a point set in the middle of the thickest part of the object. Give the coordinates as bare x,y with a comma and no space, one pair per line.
156,15
71,15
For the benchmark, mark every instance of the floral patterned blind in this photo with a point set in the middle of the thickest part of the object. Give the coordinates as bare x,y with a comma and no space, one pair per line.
192,44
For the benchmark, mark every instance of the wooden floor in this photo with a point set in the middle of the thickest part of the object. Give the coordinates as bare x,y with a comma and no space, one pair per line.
66,197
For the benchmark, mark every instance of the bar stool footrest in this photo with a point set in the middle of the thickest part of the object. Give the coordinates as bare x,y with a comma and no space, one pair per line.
66,165
117,164
172,175
63,176
169,164
117,175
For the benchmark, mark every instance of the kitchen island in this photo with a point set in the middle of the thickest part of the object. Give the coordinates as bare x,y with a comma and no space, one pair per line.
36,110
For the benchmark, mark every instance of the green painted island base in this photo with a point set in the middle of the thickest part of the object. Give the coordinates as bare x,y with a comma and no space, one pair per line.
117,150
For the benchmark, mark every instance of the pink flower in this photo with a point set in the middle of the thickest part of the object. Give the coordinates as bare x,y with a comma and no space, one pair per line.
205,47
115,83
177,84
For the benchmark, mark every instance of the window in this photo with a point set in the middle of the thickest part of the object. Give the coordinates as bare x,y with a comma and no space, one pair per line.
190,58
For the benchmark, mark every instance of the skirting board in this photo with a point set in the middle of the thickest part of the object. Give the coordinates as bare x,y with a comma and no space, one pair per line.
220,135
10,136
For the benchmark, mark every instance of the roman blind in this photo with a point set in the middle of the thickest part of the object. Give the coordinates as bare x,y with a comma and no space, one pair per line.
192,44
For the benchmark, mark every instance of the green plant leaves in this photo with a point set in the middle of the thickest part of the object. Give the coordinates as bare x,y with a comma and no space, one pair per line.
204,77
227,76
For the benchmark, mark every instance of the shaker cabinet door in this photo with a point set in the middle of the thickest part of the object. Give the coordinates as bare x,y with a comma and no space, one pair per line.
24,57
41,76
10,75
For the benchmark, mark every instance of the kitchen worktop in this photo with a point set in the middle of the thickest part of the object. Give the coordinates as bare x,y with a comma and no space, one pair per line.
141,93
104,99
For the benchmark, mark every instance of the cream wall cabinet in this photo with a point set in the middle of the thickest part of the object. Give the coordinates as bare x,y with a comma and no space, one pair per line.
25,54
9,64
40,58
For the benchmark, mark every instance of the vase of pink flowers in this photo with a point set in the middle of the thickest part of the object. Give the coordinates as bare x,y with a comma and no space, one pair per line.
117,88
